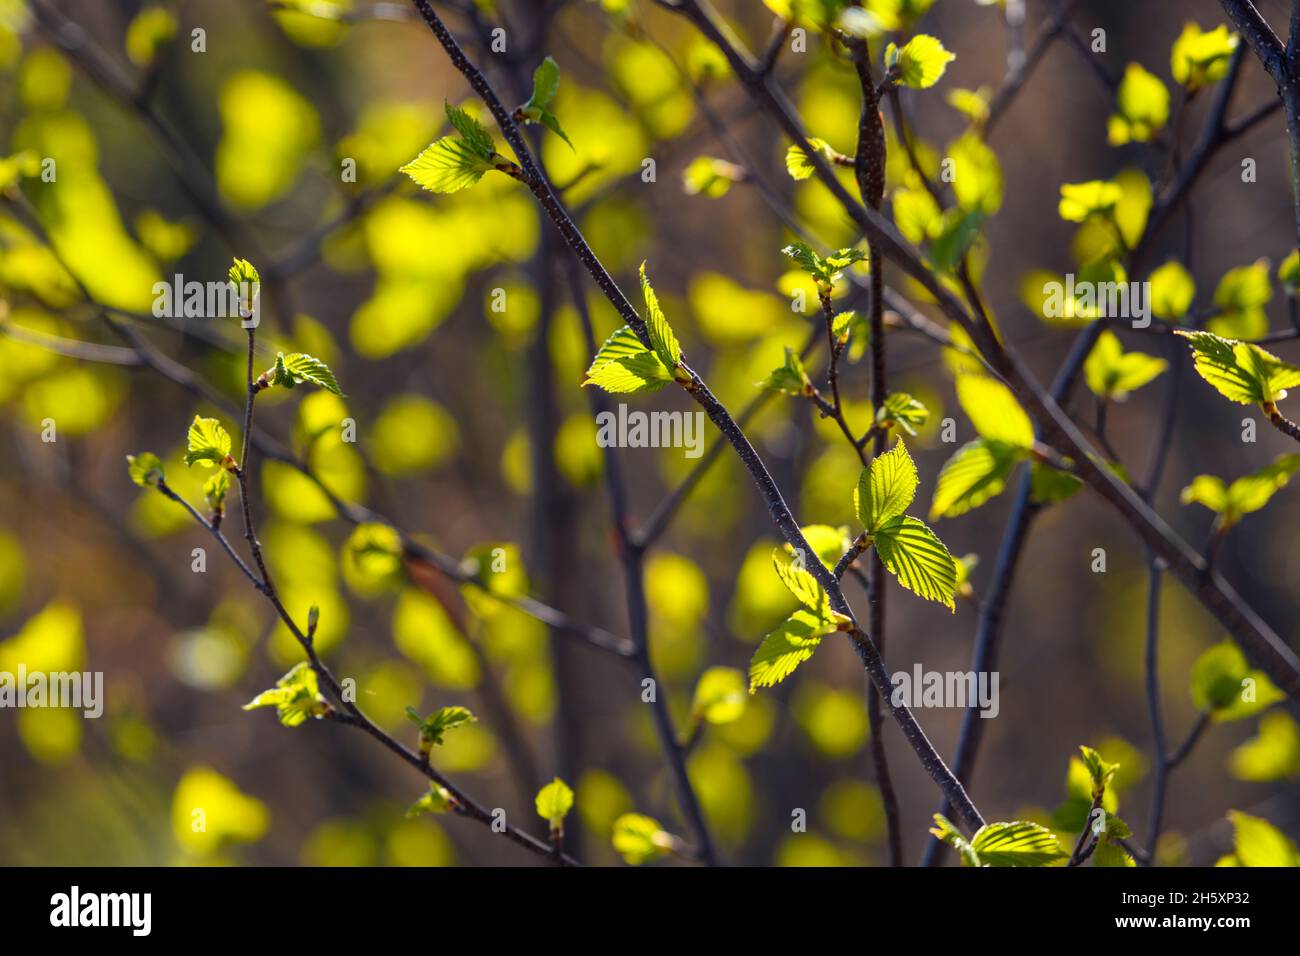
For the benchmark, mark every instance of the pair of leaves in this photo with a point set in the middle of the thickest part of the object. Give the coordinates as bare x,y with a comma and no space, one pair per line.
1112,373
295,696
1231,502
907,547
546,83
1239,371
433,727
625,364
298,367
825,270
1020,843
456,162
1225,686
979,469
785,648
789,378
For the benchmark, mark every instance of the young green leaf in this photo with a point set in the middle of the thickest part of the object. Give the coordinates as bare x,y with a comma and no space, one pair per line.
1259,843
1049,486
1099,770
1083,201
1172,291
455,162
474,133
973,104
1142,107
800,582
214,491
711,177
433,727
1108,853
993,410
145,468
1288,273
977,175
662,338
828,542
784,649
553,803
1201,57
966,566
944,830
1245,495
1272,755
624,364
953,237
546,82
800,167
885,488
913,554
919,63
1240,297
1016,844
298,367
640,839
1112,373
295,697
842,326
916,213
437,800
1226,687
149,31
374,551
447,166
208,443
976,472
24,163
1240,371
902,410
790,378
826,270
243,271
247,284
720,696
